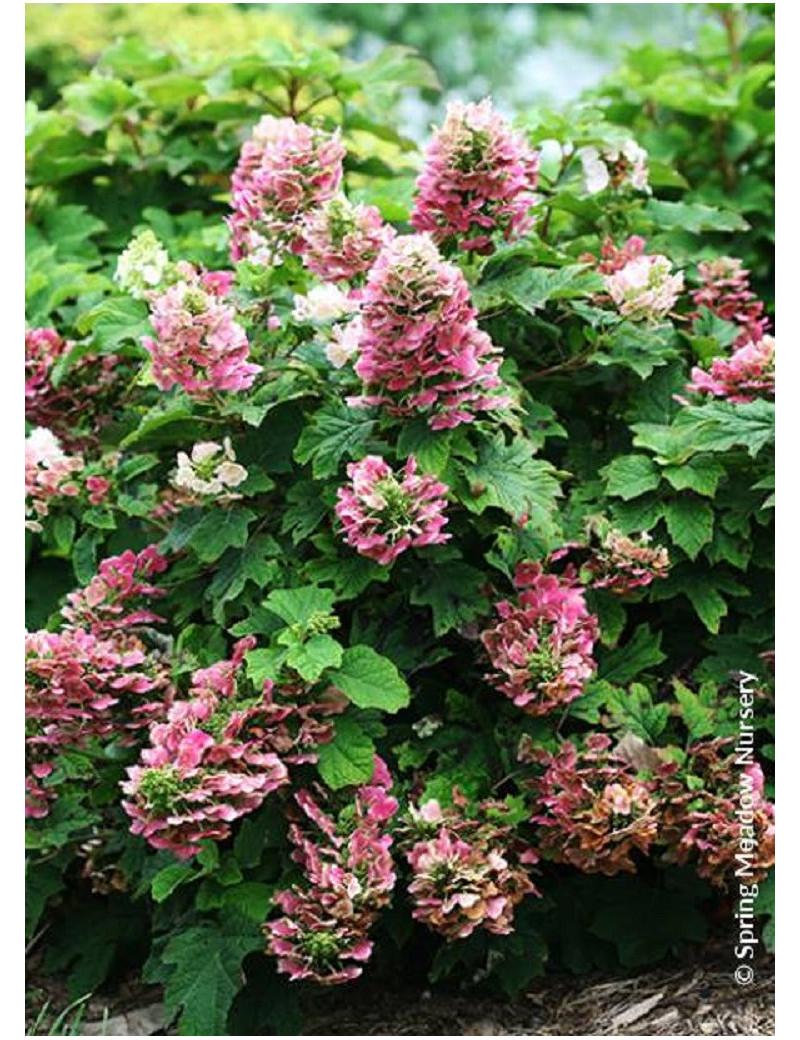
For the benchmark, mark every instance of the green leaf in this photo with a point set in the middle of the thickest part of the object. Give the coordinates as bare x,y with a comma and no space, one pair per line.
453,592
349,576
42,882
532,287
396,66
310,659
641,652
642,514
700,474
629,476
634,710
645,923
84,557
256,563
698,717
168,879
765,904
98,100
171,90
207,975
265,663
63,529
218,530
720,426
297,606
305,510
638,347
693,216
431,450
171,422
350,756
701,589
509,477
117,320
369,680
252,899
690,523
334,433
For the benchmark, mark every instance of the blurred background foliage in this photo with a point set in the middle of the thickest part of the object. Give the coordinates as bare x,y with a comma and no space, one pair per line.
135,106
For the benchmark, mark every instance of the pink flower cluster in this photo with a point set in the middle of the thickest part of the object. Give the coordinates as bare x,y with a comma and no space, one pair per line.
340,240
217,756
591,808
78,687
615,561
285,170
749,373
541,647
199,345
714,812
382,515
421,351
49,474
464,875
349,879
65,408
622,564
725,291
109,602
43,348
614,258
96,678
478,180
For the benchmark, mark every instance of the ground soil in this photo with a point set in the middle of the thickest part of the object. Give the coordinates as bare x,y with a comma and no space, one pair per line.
698,998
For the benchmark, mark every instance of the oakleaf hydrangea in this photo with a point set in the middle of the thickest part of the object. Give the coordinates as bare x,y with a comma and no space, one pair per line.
421,351
285,170
383,514
541,646
478,180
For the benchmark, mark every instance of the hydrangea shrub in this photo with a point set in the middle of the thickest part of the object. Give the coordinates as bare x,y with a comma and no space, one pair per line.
400,546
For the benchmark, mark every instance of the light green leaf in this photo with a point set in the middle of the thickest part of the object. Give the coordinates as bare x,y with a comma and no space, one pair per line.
370,680
117,320
311,658
297,606
694,216
633,709
350,756
720,426
704,596
698,717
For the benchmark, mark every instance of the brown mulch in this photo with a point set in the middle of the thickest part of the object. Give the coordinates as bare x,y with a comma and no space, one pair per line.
699,998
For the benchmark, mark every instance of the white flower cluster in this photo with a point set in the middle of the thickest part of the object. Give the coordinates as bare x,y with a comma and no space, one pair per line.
625,165
142,266
645,289
211,469
323,303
